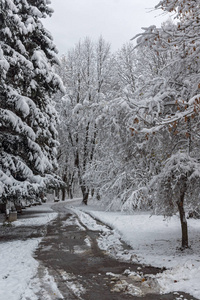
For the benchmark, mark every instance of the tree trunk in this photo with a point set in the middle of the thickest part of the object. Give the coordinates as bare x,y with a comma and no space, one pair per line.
183,220
63,193
184,228
98,196
57,193
70,192
85,193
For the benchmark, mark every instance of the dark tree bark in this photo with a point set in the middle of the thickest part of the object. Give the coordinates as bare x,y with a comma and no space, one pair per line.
85,192
184,227
92,192
63,193
70,192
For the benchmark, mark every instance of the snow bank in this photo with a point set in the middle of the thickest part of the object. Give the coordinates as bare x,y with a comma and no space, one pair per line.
36,220
17,267
36,291
185,278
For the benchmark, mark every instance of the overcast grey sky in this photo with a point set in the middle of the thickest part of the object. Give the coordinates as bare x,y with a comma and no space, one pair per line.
116,20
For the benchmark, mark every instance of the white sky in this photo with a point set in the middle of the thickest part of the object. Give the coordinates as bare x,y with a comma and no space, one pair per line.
116,20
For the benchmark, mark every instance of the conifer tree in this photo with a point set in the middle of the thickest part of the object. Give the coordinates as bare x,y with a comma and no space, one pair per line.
27,115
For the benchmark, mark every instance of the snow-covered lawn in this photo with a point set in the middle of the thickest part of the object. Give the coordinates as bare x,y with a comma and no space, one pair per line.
156,241
17,265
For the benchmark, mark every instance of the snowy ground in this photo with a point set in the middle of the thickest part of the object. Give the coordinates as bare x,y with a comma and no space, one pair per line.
17,265
156,241
153,239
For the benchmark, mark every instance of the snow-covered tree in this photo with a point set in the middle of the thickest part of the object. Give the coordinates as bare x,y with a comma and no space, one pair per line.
117,170
177,184
87,75
126,70
27,115
169,106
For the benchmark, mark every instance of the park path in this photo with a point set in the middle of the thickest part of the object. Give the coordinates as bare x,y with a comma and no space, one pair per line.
82,271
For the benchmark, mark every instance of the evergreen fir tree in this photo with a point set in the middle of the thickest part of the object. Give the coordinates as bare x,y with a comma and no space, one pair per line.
27,115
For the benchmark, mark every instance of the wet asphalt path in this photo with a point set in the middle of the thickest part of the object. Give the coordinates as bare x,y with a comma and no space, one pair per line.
80,269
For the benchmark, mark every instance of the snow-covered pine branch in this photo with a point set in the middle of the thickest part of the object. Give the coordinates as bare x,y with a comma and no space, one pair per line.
28,118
